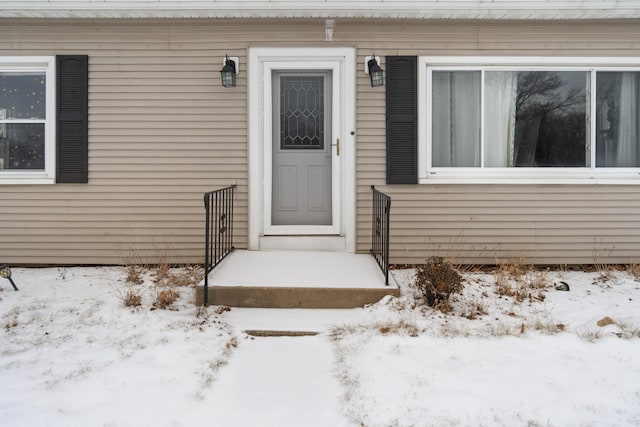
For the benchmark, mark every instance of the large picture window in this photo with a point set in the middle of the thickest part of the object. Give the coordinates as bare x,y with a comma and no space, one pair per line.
27,120
546,119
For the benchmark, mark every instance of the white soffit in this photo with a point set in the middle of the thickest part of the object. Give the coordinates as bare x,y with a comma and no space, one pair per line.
357,9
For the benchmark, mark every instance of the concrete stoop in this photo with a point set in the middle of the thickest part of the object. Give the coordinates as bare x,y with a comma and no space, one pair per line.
293,297
296,279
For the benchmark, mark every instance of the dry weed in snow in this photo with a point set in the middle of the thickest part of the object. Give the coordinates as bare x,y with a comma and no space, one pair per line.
72,352
511,351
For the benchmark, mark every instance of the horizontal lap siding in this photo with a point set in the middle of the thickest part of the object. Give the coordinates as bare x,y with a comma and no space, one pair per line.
485,224
162,131
489,223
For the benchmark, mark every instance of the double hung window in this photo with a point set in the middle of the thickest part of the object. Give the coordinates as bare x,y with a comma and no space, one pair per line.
548,119
27,148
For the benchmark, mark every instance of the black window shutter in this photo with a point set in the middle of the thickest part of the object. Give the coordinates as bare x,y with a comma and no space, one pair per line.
72,118
402,120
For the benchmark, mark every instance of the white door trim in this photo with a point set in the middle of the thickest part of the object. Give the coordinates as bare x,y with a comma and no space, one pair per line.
261,62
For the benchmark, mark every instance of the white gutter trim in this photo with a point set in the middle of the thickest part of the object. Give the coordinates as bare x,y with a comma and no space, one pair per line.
326,9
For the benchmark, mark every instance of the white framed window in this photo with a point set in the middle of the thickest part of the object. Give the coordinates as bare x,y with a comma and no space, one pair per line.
27,120
529,120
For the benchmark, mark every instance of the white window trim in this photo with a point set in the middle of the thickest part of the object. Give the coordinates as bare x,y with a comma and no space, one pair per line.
48,65
454,175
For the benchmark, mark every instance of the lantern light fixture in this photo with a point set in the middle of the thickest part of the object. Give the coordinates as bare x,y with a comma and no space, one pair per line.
372,68
231,67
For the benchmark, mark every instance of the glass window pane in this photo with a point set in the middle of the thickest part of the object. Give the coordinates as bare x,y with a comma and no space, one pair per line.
617,121
22,95
500,95
21,146
456,118
551,119
302,113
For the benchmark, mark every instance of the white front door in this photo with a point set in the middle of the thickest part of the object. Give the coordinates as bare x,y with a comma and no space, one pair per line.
301,147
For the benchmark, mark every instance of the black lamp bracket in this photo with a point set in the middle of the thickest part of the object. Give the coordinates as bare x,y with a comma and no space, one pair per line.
235,61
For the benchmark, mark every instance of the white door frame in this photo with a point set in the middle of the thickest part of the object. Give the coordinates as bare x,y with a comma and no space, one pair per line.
262,62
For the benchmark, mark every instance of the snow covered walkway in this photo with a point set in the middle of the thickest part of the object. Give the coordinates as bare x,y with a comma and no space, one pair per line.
278,381
281,381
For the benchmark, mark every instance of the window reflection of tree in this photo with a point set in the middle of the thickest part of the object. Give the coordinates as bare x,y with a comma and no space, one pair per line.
550,120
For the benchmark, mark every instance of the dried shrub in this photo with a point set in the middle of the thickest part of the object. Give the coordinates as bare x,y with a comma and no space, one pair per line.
628,330
454,330
518,291
165,298
165,275
437,280
398,327
443,305
503,283
161,274
474,310
518,279
134,274
538,279
589,336
131,298
547,326
634,270
186,276
516,269
503,329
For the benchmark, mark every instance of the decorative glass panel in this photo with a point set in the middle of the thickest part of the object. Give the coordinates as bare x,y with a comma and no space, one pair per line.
302,113
22,95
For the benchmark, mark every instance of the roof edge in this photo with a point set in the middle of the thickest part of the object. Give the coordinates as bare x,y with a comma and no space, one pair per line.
105,12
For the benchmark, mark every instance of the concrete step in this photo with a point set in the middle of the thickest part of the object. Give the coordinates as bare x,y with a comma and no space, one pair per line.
293,297
296,279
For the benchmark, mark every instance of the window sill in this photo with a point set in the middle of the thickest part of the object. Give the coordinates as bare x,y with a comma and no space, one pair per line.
26,179
536,177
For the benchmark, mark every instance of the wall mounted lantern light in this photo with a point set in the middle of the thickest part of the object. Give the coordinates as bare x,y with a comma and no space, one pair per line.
5,272
231,67
372,68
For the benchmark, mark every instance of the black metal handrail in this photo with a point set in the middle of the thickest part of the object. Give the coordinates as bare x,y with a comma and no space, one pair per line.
218,205
380,231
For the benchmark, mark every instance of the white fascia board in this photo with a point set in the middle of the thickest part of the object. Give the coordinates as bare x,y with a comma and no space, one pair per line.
390,9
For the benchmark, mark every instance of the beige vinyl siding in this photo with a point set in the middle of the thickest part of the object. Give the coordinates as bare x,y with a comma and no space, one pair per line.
162,131
546,224
485,224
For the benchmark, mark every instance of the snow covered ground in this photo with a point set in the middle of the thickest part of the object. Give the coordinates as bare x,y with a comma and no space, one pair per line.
513,351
